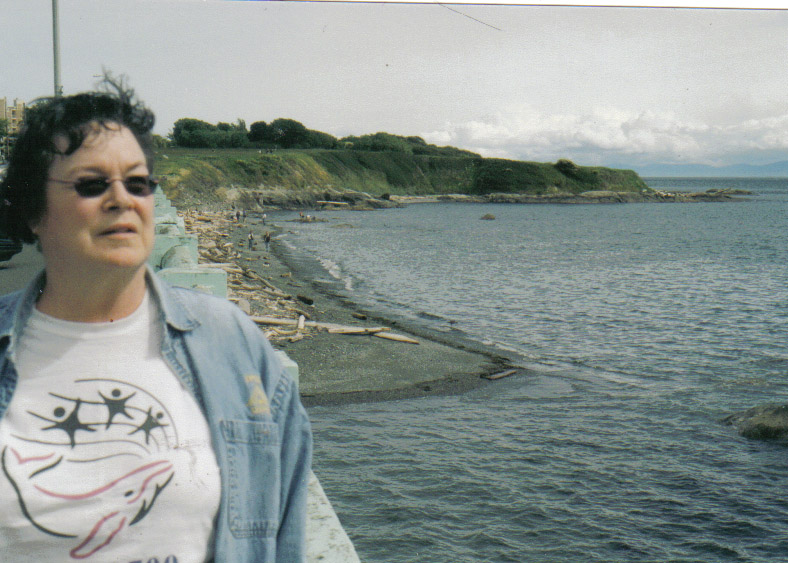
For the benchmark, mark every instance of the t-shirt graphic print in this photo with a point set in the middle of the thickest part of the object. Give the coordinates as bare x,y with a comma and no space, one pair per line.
108,462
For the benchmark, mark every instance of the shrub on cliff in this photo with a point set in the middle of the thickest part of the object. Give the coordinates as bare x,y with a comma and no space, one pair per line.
566,166
581,174
495,175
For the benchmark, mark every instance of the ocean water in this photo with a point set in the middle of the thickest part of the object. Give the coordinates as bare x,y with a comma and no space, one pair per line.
641,325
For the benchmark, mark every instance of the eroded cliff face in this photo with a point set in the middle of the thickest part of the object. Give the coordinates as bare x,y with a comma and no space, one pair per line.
191,176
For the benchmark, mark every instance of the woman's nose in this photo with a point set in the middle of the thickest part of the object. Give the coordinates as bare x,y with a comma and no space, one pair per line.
117,195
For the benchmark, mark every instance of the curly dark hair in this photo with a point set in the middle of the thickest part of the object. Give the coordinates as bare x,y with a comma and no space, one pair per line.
23,190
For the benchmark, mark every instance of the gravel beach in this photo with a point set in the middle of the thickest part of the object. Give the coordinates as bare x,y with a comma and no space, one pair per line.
335,367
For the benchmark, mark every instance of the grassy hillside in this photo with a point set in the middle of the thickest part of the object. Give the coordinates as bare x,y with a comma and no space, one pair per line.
190,176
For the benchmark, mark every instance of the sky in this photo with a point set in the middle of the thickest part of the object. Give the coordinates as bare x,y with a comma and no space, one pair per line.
626,87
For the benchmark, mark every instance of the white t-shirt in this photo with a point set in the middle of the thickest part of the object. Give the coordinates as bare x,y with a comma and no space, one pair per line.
105,456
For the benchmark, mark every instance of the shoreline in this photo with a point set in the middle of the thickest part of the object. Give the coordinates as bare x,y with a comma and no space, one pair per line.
275,200
585,198
276,289
340,368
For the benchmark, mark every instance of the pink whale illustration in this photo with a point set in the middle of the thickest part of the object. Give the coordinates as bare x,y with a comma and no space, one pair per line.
93,516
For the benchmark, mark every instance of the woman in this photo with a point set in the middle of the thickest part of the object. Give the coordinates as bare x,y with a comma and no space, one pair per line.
138,421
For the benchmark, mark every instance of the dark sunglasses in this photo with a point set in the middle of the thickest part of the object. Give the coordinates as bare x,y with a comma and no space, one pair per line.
140,186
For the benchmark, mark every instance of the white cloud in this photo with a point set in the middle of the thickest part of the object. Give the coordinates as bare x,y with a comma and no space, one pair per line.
612,135
600,85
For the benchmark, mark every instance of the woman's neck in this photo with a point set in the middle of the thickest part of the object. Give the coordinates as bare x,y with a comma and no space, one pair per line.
99,299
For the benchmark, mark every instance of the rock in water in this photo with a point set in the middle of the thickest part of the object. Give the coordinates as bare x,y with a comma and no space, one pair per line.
488,217
766,422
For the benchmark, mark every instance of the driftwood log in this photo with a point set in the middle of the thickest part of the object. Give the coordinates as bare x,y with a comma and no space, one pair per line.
246,286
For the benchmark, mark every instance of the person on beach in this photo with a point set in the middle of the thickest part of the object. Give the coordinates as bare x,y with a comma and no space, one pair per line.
138,421
251,240
267,240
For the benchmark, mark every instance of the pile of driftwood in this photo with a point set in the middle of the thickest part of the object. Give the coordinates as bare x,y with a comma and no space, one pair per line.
285,316
244,285
301,323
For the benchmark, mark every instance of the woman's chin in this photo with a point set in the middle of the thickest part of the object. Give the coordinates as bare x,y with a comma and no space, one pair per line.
122,259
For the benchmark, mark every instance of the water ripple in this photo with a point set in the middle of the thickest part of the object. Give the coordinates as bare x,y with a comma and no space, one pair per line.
641,338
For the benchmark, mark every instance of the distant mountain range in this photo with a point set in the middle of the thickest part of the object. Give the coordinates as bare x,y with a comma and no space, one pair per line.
775,170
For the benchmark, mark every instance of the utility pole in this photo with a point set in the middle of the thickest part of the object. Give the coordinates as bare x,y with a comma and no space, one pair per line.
56,49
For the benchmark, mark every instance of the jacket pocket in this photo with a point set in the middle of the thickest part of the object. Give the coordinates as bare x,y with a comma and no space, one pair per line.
253,477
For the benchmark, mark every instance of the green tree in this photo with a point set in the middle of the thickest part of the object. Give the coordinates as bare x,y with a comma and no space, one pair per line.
320,140
160,142
288,133
199,138
380,142
3,127
189,132
234,139
259,132
239,125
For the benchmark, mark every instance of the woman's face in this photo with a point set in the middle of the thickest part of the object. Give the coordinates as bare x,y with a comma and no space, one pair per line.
81,236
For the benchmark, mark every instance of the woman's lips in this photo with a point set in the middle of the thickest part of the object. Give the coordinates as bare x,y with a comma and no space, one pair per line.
119,230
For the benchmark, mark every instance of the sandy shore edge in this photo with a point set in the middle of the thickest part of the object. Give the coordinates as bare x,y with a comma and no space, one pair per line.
336,368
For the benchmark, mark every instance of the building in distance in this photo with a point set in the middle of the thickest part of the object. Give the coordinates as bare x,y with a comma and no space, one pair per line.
12,115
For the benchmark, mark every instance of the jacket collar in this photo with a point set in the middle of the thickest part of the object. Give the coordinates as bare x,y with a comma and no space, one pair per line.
175,311
16,308
15,312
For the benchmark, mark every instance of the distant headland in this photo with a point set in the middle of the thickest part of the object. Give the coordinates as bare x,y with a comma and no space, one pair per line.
285,165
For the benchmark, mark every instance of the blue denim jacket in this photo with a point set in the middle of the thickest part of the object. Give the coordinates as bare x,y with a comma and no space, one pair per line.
261,433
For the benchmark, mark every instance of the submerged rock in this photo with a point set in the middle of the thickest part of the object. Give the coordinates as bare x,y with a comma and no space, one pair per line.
488,217
765,422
